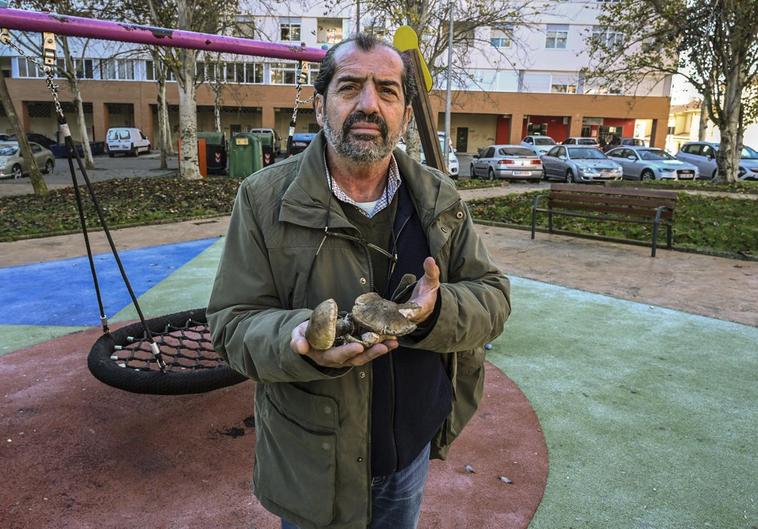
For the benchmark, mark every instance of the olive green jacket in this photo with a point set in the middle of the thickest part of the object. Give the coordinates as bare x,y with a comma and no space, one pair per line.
313,424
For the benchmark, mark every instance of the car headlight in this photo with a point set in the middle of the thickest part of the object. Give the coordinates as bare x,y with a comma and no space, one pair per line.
588,170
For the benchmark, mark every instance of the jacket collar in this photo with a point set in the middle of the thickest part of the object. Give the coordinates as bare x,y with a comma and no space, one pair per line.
305,201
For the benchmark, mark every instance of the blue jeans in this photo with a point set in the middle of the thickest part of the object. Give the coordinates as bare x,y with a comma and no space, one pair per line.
396,499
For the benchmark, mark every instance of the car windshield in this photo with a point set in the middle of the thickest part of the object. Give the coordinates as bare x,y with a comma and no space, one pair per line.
655,154
7,149
749,154
544,141
515,151
583,153
586,141
117,134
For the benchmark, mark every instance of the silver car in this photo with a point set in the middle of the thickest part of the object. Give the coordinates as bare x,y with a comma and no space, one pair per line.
507,161
579,164
539,144
648,163
12,164
703,155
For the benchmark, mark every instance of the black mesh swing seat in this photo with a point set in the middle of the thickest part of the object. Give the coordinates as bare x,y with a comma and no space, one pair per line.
123,358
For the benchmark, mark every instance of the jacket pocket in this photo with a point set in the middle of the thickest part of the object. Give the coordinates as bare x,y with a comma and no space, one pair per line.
295,464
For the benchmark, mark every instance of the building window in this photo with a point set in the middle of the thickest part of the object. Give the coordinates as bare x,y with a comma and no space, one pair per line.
283,73
253,73
312,72
289,29
563,88
607,38
329,30
245,26
27,68
556,36
500,37
117,69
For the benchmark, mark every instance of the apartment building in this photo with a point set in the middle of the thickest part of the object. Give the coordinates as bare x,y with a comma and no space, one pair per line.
523,80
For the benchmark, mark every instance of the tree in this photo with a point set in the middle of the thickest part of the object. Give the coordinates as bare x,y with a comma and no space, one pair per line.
712,43
30,164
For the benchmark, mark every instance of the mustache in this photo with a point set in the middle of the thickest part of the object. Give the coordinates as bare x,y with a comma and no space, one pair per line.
357,117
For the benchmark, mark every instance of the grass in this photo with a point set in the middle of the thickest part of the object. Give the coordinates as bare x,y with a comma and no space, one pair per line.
746,186
126,202
476,183
716,225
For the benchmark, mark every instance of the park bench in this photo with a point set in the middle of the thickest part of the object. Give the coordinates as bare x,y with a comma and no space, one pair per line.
640,206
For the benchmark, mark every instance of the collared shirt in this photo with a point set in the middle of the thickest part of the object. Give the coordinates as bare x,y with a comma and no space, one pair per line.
393,183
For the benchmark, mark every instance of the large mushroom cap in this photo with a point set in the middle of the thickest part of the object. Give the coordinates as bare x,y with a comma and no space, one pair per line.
380,315
322,327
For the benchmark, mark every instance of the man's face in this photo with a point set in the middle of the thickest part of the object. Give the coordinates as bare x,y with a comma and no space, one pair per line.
364,113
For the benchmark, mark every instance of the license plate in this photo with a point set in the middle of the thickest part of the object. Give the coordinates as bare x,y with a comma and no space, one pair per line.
685,177
522,173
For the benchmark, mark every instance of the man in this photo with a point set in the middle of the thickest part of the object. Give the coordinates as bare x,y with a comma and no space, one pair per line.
344,435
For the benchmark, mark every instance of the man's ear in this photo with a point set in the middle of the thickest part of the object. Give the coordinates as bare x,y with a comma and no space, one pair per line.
318,106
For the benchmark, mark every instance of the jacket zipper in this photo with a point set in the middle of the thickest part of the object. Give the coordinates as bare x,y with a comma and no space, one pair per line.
391,361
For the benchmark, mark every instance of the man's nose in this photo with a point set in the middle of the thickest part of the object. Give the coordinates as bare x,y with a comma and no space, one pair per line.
368,102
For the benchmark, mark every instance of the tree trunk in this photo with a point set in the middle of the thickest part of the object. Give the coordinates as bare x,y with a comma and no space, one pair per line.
73,84
163,141
217,107
412,141
703,126
30,164
728,158
188,166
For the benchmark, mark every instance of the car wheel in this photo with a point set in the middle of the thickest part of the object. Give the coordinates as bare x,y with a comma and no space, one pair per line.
135,150
17,172
647,174
110,155
49,166
544,174
472,172
570,177
491,174
715,172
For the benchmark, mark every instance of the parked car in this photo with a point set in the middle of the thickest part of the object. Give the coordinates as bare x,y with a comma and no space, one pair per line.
453,167
581,140
646,163
539,144
624,142
275,139
580,164
703,155
507,161
300,141
126,140
12,163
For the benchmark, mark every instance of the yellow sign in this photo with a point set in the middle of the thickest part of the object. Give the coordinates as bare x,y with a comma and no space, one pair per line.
241,141
406,39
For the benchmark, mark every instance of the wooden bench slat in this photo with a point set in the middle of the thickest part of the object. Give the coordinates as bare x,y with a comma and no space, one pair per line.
647,213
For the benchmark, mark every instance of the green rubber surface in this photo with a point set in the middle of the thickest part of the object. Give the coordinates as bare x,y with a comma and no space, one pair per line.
649,414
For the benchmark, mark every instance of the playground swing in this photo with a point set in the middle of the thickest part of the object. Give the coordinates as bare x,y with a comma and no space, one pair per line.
172,355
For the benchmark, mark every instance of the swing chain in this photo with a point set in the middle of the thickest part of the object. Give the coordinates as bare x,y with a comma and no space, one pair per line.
302,79
48,55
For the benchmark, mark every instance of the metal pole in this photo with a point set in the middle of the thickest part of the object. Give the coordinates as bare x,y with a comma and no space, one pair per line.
448,98
22,20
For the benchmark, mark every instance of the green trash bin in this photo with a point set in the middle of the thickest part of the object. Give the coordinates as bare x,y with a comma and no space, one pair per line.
215,151
267,146
245,155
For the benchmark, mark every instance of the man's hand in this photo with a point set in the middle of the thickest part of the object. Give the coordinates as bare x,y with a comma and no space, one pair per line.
425,292
350,354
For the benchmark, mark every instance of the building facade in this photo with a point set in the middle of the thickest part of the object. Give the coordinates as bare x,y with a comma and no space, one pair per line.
523,80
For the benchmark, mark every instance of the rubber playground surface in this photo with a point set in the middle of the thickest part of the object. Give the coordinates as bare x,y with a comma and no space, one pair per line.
603,412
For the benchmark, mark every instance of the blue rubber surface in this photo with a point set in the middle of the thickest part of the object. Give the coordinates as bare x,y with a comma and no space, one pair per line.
61,293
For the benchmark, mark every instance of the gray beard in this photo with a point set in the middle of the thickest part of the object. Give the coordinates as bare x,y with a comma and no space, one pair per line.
360,149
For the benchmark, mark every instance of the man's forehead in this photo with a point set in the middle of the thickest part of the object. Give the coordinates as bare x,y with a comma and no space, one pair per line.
381,62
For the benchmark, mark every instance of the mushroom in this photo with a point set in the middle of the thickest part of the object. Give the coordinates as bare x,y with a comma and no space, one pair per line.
373,319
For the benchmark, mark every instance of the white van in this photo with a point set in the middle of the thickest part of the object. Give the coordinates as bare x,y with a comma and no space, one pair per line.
126,140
